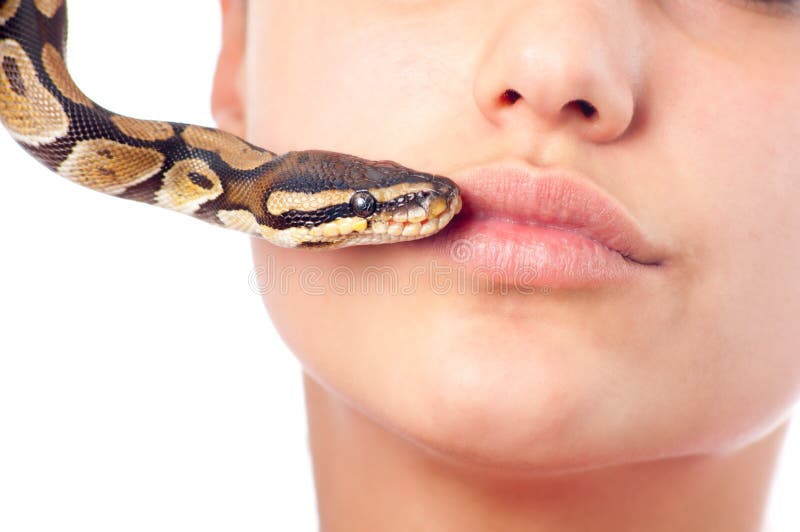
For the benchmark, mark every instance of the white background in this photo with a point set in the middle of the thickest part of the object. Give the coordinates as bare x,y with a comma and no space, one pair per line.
142,385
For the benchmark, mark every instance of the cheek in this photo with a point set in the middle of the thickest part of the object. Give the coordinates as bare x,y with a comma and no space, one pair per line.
733,170
313,99
355,86
344,316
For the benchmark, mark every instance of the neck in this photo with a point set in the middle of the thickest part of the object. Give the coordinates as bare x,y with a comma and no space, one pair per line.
371,479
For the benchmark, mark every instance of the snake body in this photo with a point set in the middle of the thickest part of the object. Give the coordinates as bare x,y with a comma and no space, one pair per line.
308,198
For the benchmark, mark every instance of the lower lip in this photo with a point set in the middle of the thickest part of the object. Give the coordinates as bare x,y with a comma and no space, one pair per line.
529,255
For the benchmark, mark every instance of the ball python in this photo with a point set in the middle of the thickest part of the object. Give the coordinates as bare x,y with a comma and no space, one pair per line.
300,199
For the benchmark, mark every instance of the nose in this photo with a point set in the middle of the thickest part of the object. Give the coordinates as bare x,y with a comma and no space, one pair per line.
563,65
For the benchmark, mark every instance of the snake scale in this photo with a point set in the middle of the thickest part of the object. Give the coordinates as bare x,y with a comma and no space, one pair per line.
310,199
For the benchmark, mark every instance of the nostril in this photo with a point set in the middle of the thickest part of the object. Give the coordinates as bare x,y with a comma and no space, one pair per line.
510,97
588,110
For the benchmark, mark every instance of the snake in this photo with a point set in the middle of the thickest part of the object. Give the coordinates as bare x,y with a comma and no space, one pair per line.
299,199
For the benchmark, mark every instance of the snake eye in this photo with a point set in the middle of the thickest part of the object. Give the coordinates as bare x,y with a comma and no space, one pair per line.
363,203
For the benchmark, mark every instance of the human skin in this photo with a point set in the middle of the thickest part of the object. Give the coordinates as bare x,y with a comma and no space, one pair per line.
658,403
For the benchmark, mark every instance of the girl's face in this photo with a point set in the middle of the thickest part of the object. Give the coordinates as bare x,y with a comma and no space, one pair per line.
693,130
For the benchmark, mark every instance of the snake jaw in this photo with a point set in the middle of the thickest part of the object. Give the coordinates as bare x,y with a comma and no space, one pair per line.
428,214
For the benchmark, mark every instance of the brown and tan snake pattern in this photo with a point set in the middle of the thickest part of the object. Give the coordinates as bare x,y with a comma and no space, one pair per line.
309,198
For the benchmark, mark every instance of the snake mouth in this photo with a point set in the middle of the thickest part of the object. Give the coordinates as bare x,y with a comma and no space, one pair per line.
416,215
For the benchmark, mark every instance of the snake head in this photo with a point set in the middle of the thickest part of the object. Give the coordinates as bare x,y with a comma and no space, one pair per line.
330,200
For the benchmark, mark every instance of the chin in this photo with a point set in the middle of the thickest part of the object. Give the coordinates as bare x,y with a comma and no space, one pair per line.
525,411
502,407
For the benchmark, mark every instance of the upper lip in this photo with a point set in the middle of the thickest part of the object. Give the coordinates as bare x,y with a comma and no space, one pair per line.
516,192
